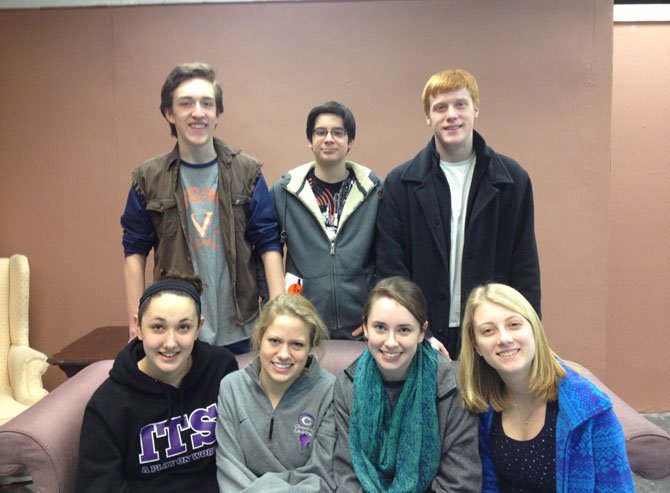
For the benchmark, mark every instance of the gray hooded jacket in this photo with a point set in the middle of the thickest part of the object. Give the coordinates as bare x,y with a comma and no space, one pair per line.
336,276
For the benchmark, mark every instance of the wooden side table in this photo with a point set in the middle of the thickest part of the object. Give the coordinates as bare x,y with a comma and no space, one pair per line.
99,344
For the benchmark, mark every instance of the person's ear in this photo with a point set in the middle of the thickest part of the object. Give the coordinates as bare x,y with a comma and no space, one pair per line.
200,325
422,331
138,329
169,115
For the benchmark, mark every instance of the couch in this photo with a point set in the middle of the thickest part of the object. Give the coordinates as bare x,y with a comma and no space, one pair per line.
49,451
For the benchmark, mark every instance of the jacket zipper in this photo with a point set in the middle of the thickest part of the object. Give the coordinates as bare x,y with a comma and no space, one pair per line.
272,424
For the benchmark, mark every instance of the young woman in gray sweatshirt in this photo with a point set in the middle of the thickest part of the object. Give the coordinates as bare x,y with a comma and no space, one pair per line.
275,427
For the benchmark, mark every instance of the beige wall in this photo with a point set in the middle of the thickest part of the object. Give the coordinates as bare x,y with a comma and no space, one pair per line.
639,254
80,109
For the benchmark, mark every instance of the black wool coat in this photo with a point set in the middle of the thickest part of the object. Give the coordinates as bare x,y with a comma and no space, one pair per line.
414,221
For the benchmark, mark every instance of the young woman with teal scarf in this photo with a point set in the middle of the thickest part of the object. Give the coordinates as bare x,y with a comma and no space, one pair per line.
542,426
400,423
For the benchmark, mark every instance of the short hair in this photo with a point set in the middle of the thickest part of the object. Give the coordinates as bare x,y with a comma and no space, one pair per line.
480,383
193,280
334,108
187,71
403,291
293,305
450,80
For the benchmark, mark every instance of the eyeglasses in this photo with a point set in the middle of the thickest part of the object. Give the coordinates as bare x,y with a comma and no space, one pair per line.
337,132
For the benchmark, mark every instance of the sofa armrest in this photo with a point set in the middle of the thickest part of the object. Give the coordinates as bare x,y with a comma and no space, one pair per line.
647,445
26,367
44,439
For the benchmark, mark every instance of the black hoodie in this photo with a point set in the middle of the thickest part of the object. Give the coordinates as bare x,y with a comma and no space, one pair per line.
140,434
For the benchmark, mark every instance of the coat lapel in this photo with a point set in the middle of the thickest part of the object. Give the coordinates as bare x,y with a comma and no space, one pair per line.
489,173
422,181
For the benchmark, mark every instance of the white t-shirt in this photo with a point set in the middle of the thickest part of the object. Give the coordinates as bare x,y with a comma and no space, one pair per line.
459,177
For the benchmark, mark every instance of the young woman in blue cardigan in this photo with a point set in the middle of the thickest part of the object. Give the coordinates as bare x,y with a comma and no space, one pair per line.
542,426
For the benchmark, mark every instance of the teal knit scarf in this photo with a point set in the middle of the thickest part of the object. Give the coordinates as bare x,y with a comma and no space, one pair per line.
400,451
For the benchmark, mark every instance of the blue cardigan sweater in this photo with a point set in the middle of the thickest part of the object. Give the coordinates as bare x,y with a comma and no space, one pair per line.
590,446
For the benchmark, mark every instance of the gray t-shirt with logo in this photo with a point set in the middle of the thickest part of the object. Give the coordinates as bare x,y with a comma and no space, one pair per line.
200,183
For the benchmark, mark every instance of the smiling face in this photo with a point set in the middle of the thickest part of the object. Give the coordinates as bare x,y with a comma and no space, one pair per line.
194,115
504,339
168,331
452,117
283,353
393,336
330,150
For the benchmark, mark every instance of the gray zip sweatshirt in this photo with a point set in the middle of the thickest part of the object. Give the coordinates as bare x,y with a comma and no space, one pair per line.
289,448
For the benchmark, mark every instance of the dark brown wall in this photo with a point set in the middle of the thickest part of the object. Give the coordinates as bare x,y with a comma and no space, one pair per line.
80,109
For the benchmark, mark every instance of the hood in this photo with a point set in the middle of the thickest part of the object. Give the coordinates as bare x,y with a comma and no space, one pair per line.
126,372
295,179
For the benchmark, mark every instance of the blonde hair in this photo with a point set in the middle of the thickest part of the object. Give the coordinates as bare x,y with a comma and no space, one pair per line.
480,383
295,306
450,80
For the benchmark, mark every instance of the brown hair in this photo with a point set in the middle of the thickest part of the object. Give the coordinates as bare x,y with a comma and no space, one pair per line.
149,294
405,292
182,73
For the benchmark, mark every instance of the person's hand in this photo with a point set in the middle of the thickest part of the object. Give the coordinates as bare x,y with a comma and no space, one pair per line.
439,347
358,331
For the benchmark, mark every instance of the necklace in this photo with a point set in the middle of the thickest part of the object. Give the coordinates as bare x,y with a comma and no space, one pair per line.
526,420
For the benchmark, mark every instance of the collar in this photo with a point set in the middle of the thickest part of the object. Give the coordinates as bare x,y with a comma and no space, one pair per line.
447,380
224,153
488,162
579,399
295,180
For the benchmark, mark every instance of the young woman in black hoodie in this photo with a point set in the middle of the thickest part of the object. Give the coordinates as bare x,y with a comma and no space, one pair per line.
151,425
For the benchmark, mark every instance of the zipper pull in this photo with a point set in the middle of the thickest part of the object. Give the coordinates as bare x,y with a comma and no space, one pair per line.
272,424
332,248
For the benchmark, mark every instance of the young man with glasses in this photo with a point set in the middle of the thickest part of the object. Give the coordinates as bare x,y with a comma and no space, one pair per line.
327,210
203,208
457,214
